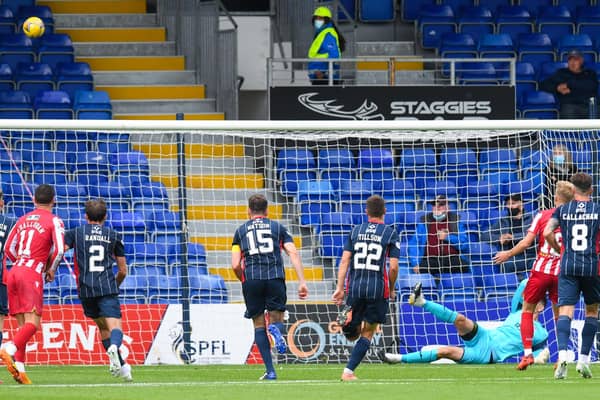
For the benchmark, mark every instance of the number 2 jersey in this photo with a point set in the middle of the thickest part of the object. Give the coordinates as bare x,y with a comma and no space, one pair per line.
36,241
579,223
260,241
370,244
95,247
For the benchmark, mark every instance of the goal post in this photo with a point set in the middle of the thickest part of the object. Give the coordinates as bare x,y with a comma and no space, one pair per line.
188,308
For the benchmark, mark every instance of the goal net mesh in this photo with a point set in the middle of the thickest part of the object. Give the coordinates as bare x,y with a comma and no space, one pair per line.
317,183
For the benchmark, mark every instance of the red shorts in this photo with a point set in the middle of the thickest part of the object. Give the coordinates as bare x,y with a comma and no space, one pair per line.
25,291
538,284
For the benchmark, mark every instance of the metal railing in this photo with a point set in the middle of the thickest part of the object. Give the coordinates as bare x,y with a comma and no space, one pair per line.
395,71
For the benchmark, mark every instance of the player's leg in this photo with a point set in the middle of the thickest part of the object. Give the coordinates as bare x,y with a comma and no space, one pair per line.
276,300
535,291
28,324
3,308
254,297
425,356
568,294
462,323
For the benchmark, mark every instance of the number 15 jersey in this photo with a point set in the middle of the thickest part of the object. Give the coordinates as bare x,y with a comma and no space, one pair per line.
260,241
370,244
579,224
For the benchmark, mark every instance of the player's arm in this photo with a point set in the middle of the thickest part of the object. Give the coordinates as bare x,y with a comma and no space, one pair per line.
549,234
58,248
394,254
10,246
292,252
119,254
338,295
524,244
236,257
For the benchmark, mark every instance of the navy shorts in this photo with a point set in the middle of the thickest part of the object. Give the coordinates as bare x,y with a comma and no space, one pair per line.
371,311
570,287
261,295
102,307
3,299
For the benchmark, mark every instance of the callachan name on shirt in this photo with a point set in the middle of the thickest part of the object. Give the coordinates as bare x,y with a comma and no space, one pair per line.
579,217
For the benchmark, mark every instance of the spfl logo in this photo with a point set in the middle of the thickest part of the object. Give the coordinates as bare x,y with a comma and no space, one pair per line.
177,345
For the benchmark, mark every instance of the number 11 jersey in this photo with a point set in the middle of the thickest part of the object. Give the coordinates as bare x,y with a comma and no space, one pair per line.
579,224
370,244
260,241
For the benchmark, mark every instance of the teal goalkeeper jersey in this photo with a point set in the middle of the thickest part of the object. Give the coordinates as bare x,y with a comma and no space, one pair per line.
507,337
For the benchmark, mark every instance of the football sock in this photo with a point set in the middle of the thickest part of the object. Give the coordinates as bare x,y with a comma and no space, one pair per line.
264,347
563,332
440,312
588,333
0,337
358,353
116,337
106,343
23,335
423,356
527,331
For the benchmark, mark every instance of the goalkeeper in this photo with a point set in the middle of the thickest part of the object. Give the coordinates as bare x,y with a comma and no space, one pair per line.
482,346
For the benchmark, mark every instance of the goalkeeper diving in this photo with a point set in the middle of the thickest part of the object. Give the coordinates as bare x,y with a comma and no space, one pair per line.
481,345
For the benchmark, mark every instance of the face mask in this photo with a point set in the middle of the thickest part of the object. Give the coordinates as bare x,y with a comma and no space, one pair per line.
514,211
439,217
319,23
559,158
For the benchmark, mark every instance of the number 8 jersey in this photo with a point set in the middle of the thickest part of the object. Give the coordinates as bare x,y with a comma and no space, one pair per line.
579,224
370,244
260,241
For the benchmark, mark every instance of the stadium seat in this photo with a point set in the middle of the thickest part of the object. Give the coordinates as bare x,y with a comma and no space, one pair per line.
556,22
293,166
549,68
163,221
126,222
14,5
513,20
476,21
459,166
433,22
8,24
15,49
395,189
207,289
68,289
336,165
7,82
376,164
92,104
15,105
331,244
356,209
406,283
483,207
535,48
53,105
357,190
146,254
574,5
588,21
441,187
498,45
410,9
56,49
134,289
457,45
418,166
457,287
535,6
42,12
377,10
164,290
72,217
583,43
538,105
49,161
314,198
500,285
481,253
52,292
132,162
476,73
497,159
73,77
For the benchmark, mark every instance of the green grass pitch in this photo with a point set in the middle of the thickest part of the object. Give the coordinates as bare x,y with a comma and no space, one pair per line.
311,382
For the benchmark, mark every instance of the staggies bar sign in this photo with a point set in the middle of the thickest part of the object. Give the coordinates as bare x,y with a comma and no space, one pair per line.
392,102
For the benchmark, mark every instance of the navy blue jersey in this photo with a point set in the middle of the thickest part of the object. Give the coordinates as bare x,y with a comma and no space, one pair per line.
371,244
579,223
6,224
95,247
260,241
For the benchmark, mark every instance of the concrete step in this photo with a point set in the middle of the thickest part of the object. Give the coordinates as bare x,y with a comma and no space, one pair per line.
213,148
84,49
197,197
223,212
223,257
153,92
199,166
141,34
95,6
245,181
145,77
385,49
311,273
139,63
105,20
317,291
212,116
207,227
163,106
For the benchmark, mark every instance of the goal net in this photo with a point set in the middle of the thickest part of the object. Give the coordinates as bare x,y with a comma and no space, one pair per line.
177,192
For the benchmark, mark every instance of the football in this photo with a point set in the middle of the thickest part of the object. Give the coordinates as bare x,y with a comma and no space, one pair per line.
34,27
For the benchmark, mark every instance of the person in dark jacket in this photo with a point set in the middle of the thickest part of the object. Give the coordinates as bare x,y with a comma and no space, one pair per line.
573,86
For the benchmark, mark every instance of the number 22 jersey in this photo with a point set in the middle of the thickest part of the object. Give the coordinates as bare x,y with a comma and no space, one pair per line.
370,244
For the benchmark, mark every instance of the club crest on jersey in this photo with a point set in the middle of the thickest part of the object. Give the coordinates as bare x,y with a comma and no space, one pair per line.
33,217
580,207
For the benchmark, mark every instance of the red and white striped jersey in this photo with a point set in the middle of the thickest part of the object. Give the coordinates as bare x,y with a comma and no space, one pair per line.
548,260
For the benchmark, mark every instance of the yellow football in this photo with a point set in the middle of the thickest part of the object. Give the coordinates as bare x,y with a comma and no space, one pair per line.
34,27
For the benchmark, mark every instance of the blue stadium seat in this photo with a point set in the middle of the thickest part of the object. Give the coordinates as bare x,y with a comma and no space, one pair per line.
49,161
293,166
457,287
513,20
55,49
583,43
410,9
336,222
441,187
476,21
15,49
556,22
498,45
497,159
476,73
395,189
494,4
458,5
484,188
15,105
356,210
336,165
147,254
533,159
90,178
73,77
418,166
357,190
574,5
535,7
52,292
500,285
314,198
331,244
433,22
377,10
457,45
483,207
549,68
7,83
53,105
481,253
92,104
406,283
14,5
538,105
458,165
42,12
208,289
164,290
72,217
8,24
126,221
134,289
163,221
588,21
376,164
535,48
132,162
68,289
525,79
